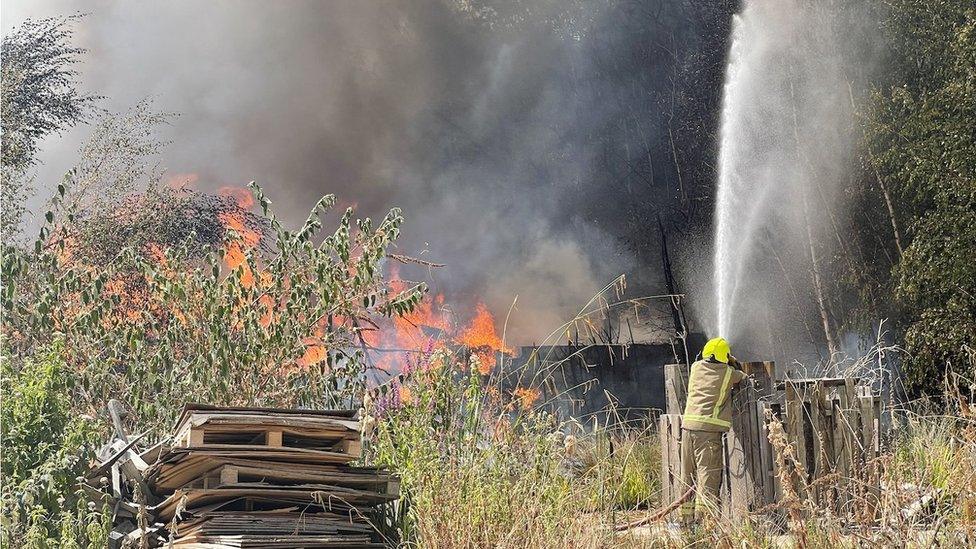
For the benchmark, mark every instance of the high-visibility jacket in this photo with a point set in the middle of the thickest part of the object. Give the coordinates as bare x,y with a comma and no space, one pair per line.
709,390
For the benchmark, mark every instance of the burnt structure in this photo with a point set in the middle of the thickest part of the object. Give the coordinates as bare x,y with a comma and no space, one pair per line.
605,381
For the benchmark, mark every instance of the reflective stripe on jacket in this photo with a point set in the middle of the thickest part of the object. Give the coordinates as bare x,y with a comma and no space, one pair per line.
709,387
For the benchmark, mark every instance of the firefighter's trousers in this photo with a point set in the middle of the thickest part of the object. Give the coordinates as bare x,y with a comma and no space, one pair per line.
701,466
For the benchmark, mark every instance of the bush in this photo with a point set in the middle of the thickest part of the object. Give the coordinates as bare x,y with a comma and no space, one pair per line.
258,320
920,126
46,445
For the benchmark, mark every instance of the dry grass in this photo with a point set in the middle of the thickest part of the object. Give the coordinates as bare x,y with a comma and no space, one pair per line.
481,472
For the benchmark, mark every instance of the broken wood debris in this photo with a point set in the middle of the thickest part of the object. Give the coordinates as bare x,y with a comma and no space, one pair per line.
242,477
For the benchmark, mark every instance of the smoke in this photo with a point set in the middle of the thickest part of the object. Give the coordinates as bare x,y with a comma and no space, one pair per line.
787,152
521,139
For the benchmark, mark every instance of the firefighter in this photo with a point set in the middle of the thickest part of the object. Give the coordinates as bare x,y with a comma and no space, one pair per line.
708,416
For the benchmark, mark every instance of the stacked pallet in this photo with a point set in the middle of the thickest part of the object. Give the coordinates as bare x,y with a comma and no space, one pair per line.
247,477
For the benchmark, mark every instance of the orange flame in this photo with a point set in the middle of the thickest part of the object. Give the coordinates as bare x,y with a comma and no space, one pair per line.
243,197
181,180
526,396
246,238
314,352
480,336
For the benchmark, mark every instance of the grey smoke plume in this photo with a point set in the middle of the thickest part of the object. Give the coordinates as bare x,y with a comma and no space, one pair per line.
525,141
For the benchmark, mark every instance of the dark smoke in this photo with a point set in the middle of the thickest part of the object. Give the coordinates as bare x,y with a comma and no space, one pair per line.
531,145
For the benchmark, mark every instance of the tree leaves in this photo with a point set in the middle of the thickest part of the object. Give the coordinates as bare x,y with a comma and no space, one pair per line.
158,324
921,129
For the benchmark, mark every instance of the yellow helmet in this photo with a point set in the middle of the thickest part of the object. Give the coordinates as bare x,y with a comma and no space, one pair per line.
718,348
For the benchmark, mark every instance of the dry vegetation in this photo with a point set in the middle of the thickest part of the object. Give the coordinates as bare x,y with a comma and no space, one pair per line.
232,313
482,469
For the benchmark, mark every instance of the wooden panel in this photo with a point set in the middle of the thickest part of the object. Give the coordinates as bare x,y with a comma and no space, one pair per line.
676,387
747,477
274,439
772,490
352,447
832,425
666,484
671,447
739,452
228,475
796,423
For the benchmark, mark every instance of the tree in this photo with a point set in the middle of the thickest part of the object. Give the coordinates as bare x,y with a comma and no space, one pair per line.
39,96
920,130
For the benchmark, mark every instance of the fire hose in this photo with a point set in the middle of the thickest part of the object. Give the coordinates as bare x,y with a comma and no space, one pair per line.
658,515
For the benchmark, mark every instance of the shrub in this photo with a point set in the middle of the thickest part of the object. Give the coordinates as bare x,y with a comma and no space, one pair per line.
273,320
46,445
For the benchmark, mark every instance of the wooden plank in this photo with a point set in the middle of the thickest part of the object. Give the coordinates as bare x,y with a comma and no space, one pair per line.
741,480
869,437
674,448
666,483
273,439
340,499
352,447
761,375
172,476
818,411
675,387
840,451
853,458
739,477
868,425
229,475
669,426
193,438
796,423
279,411
745,473
772,489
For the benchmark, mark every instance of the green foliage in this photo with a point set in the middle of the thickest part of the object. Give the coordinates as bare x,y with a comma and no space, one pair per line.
38,97
240,326
266,319
921,129
46,444
116,158
39,87
624,468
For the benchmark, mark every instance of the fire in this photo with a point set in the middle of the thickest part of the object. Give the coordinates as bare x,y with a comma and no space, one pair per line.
243,197
395,340
480,336
430,314
526,397
246,238
181,180
432,325
314,352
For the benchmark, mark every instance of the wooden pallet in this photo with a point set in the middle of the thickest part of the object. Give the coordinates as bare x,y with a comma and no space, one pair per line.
184,468
247,429
247,477
230,436
235,476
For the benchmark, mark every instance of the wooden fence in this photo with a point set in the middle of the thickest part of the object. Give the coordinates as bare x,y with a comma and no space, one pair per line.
831,424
